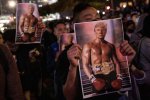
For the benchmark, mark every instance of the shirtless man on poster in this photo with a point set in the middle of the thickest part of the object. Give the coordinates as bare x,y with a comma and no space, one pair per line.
100,62
27,25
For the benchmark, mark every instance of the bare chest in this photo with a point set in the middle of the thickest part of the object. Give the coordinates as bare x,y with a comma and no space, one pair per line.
30,20
100,50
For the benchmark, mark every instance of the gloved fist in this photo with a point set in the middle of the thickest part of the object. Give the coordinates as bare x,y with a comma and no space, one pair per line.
25,38
98,84
116,84
33,39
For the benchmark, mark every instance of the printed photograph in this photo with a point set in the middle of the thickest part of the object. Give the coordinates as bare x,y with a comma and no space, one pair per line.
28,28
65,40
103,69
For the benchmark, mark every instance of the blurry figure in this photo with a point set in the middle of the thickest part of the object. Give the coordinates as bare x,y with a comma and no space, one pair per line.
135,18
137,35
9,40
10,85
29,61
1,38
60,28
30,66
27,25
128,17
50,41
129,28
40,27
143,60
84,13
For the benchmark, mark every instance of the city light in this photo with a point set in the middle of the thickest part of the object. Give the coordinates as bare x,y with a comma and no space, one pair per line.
130,4
98,11
67,17
103,13
40,5
52,1
108,7
124,6
45,0
11,3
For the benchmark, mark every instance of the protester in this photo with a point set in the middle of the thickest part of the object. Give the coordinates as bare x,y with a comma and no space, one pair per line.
143,61
10,85
1,38
68,77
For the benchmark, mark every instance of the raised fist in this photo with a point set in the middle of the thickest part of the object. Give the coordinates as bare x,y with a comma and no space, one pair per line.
74,54
116,84
98,84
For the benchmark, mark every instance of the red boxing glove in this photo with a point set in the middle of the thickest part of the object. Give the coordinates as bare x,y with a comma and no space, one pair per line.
116,84
25,38
33,39
98,84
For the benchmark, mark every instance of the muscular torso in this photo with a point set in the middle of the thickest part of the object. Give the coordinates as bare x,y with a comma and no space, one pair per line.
100,52
100,56
29,22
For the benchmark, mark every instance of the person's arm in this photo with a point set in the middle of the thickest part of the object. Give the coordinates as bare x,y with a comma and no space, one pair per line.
127,50
138,74
116,62
86,60
21,22
69,88
117,83
14,88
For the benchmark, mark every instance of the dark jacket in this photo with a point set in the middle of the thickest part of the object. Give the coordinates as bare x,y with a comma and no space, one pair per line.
10,86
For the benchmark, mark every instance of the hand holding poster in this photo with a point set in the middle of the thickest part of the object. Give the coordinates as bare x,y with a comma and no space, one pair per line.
103,69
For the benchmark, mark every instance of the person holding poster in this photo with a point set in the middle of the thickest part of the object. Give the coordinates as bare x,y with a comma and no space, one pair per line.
69,77
101,56
27,24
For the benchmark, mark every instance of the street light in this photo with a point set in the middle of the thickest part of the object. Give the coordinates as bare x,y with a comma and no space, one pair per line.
11,3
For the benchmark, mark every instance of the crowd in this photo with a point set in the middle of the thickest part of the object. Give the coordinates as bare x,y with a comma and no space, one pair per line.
41,71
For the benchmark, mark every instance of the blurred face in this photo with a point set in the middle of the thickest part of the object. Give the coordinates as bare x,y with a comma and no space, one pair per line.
135,19
88,14
30,9
60,29
1,39
100,32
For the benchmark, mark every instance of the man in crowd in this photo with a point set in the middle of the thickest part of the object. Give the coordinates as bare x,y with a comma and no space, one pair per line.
10,85
69,76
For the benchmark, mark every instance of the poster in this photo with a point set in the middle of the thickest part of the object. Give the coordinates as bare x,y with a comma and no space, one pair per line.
66,39
102,66
28,28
